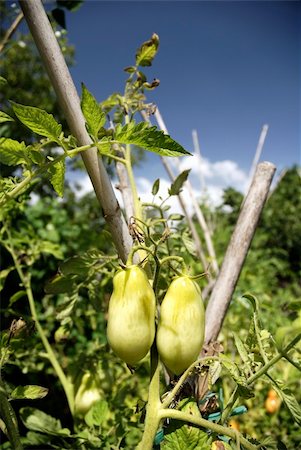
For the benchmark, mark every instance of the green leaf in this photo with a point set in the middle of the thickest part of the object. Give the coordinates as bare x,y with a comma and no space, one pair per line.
146,53
156,186
50,248
12,152
57,177
181,436
291,403
64,311
37,420
15,297
176,217
189,244
59,285
3,275
3,81
92,111
176,186
253,300
38,121
97,414
149,138
5,117
31,392
77,265
241,349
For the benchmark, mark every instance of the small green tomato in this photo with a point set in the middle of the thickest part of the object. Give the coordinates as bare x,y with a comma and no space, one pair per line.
131,316
87,394
180,334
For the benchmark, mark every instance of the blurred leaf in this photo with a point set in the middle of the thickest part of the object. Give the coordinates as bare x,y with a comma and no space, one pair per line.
64,310
76,265
97,414
15,297
156,186
176,217
5,117
3,275
38,120
290,402
12,152
59,285
59,16
57,177
37,420
3,81
31,392
189,244
241,349
71,5
176,186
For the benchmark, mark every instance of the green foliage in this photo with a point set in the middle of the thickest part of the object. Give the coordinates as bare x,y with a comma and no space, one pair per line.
176,186
146,53
180,436
149,138
92,111
38,121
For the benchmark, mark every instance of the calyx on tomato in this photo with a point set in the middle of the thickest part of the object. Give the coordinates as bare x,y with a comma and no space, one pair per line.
180,334
131,316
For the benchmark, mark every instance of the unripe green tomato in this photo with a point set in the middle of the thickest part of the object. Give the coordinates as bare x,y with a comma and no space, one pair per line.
87,394
131,316
180,334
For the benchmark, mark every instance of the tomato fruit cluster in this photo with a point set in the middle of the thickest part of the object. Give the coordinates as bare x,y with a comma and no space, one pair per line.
131,320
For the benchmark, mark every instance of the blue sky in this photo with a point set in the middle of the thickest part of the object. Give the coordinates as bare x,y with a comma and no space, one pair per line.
226,68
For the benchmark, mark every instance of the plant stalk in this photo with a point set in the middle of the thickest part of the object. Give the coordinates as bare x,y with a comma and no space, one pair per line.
67,386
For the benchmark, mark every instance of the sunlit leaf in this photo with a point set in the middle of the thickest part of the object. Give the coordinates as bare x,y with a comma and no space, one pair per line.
31,392
92,111
147,51
12,152
38,120
57,177
149,138
5,117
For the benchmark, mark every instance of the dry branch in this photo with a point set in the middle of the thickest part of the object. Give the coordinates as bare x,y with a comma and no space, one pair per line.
63,85
237,249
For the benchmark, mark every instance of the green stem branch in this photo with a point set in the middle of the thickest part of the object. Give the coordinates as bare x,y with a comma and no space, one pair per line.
8,416
67,385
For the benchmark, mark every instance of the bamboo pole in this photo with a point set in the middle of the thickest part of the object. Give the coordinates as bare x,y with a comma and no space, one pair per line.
197,151
197,209
63,85
258,151
237,249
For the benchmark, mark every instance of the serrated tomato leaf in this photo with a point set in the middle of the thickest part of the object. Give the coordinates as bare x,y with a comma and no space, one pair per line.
149,138
38,121
95,118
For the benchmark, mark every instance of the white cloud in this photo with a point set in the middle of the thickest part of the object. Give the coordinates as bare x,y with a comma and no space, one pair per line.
216,175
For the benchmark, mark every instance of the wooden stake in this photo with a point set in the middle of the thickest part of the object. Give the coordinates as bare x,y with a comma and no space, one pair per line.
63,85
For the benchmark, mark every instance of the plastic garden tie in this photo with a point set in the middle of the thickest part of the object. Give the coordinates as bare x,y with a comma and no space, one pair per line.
159,437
